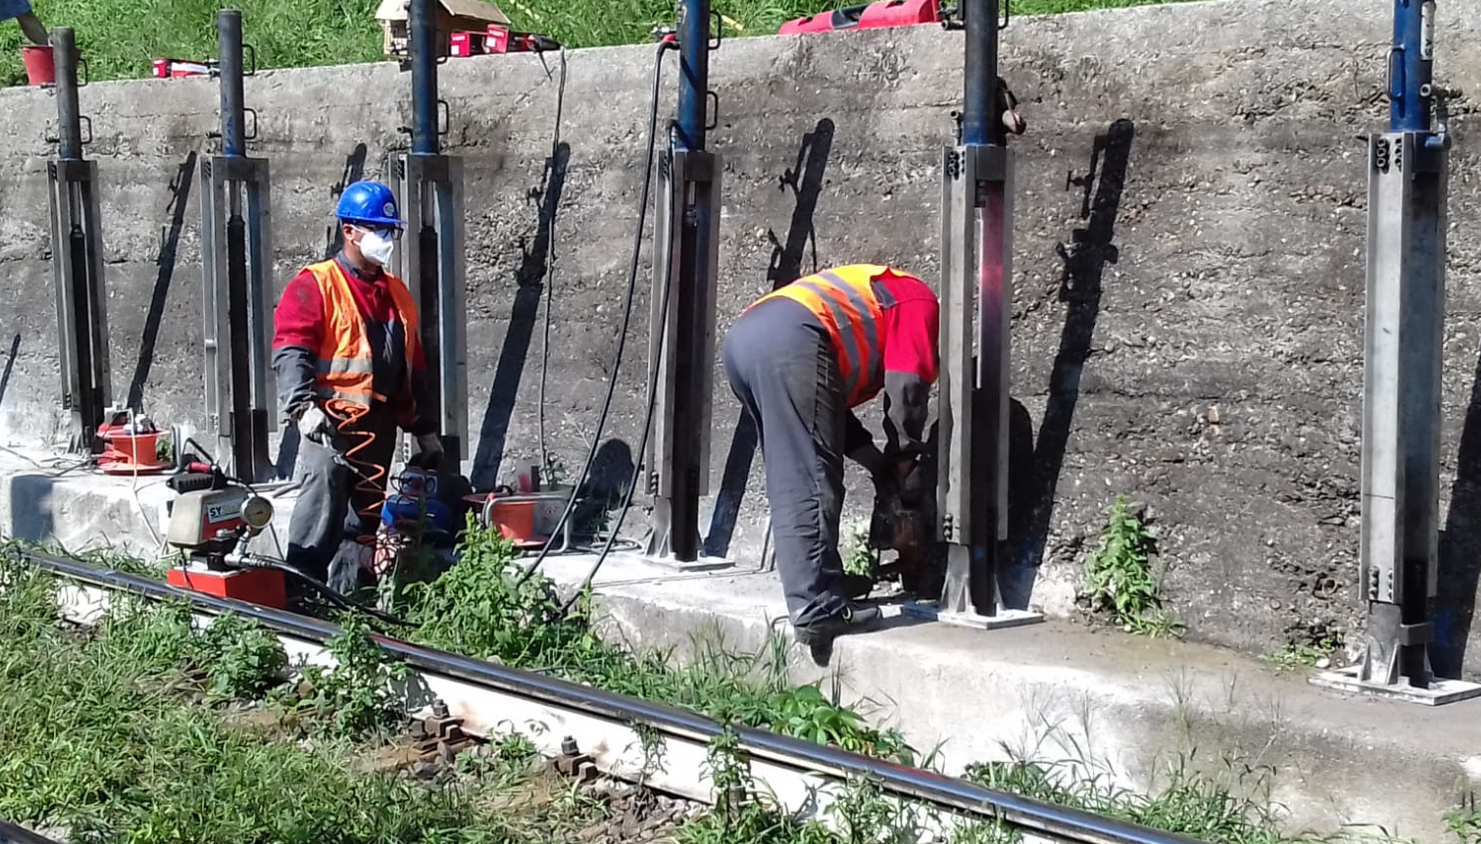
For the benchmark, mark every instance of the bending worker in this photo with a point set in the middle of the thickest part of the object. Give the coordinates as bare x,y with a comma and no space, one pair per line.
350,371
799,360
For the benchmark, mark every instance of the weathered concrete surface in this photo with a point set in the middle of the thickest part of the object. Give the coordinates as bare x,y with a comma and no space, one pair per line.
1122,709
1187,318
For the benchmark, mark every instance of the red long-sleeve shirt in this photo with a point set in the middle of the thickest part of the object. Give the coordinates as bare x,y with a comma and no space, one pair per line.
912,327
298,322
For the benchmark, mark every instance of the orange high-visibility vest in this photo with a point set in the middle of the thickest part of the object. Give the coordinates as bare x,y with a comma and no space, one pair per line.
850,304
346,366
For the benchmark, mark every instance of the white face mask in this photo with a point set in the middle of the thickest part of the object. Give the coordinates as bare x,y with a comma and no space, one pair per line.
377,248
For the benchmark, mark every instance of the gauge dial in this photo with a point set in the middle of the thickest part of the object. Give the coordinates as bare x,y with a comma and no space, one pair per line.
257,511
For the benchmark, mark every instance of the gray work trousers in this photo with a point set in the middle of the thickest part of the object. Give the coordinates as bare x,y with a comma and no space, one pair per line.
327,521
782,369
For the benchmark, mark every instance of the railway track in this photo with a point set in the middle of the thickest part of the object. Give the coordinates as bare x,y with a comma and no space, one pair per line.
580,725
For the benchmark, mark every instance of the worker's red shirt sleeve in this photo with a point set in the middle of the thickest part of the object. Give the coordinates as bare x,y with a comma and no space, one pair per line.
299,318
910,346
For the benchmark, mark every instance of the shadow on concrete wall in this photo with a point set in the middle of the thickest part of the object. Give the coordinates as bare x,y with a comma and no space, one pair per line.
531,281
1085,261
15,350
30,508
169,246
354,171
1459,564
805,179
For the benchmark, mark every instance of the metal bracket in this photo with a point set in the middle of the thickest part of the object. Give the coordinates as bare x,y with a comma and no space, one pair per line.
429,191
687,180
222,178
81,296
972,417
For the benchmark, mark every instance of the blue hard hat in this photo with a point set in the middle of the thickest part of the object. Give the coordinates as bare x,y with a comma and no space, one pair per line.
370,204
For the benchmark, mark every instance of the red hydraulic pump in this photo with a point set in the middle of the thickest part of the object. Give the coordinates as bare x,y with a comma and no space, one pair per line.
498,39
878,15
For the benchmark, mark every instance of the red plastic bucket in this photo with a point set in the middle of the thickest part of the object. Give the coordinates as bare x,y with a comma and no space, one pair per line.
39,67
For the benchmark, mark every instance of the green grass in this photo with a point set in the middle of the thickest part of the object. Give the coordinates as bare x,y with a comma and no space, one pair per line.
120,38
102,740
119,749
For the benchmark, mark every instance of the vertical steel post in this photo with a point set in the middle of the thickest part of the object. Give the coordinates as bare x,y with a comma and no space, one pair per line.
976,266
688,232
77,260
237,259
423,26
1402,364
430,193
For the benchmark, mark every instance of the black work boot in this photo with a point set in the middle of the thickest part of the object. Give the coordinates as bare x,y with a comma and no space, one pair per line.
818,636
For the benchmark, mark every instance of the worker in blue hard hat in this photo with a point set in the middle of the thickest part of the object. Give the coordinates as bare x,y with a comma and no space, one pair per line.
21,12
350,372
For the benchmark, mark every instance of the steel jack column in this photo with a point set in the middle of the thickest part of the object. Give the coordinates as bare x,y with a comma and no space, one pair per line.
682,345
237,268
977,267
77,261
1403,360
429,188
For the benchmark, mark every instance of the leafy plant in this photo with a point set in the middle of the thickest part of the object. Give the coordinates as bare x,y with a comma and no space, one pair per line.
361,695
1464,822
1119,579
858,557
242,660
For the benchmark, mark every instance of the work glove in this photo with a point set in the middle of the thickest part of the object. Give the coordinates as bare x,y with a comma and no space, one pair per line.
314,425
431,448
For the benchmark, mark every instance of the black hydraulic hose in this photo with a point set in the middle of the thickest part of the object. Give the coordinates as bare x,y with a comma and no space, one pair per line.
798,754
627,499
555,147
632,284
258,561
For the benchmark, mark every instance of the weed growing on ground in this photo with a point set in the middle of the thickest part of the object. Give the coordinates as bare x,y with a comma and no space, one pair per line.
858,557
1301,655
242,660
1119,579
1465,821
480,607
361,696
103,745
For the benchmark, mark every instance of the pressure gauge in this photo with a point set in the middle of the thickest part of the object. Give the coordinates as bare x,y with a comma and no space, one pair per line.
257,512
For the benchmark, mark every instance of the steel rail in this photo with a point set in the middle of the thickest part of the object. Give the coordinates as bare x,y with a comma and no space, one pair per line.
13,834
780,754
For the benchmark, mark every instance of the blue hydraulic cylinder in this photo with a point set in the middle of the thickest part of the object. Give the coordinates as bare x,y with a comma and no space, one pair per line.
694,73
233,110
980,123
1411,66
423,31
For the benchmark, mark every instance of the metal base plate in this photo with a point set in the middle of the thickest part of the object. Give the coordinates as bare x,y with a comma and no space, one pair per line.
704,563
1439,693
1005,618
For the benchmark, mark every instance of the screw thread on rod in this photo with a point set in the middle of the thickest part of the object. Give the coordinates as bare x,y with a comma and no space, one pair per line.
981,72
233,99
423,26
694,71
1412,65
69,115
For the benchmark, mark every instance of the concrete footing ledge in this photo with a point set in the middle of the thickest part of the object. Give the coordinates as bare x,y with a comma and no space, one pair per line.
1125,708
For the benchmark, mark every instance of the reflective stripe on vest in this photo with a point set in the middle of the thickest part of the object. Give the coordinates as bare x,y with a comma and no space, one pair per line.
346,367
850,305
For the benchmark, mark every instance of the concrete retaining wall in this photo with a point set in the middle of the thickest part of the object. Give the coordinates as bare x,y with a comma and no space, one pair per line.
1188,265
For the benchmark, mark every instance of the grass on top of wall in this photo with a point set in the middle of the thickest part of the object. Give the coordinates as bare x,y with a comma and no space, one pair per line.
121,38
